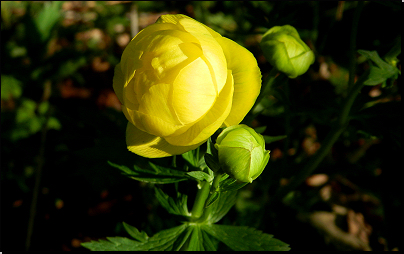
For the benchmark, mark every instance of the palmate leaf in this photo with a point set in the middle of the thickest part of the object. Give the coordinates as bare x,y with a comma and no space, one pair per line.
135,233
163,240
192,157
221,206
153,174
381,72
176,206
201,176
245,238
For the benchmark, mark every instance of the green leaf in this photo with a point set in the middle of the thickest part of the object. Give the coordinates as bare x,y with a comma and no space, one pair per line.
154,174
211,162
212,198
192,157
209,243
270,139
381,72
177,206
134,232
231,184
163,240
196,239
10,87
212,149
260,129
221,206
47,18
244,238
201,176
181,242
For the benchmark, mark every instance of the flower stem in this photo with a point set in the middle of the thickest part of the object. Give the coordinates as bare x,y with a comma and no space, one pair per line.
200,199
198,210
342,121
215,185
266,86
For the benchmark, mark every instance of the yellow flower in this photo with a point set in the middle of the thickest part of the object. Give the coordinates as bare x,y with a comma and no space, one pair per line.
179,81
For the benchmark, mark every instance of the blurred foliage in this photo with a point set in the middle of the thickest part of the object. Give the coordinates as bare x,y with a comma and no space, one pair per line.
56,78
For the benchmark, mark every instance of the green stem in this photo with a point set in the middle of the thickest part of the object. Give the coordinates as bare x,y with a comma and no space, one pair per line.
35,194
352,43
266,87
200,199
207,211
342,120
174,161
287,122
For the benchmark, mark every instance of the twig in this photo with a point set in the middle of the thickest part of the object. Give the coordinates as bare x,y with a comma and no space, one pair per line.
41,161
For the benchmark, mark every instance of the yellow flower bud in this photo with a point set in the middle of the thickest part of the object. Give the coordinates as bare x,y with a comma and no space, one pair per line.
285,51
179,81
241,152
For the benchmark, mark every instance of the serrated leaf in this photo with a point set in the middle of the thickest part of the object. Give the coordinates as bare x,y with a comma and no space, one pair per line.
211,162
231,184
270,139
195,241
244,238
222,206
381,72
163,240
212,149
200,175
113,244
192,157
209,243
154,174
134,232
181,241
177,206
212,198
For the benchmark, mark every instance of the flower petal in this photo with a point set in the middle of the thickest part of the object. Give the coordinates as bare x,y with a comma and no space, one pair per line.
118,82
204,128
212,51
152,124
247,79
193,92
146,145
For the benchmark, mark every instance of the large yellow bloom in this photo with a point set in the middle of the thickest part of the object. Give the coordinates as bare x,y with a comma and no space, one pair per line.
179,81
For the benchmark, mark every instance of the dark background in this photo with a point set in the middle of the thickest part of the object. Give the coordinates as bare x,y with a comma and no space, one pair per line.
61,122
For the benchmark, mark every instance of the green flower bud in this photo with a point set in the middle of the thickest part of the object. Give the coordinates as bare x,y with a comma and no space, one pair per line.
241,152
285,51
